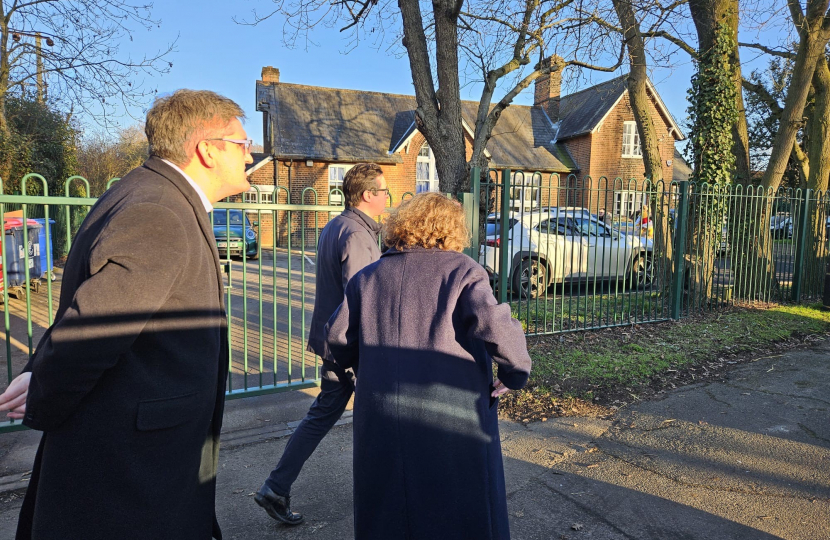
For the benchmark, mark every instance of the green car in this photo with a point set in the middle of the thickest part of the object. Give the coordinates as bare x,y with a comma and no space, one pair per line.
234,232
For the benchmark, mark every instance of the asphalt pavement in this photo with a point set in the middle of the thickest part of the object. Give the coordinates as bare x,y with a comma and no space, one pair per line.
746,457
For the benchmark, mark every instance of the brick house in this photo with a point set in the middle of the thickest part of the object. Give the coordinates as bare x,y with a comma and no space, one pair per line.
313,135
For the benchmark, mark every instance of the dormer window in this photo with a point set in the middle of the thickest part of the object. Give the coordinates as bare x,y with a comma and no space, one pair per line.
631,141
426,178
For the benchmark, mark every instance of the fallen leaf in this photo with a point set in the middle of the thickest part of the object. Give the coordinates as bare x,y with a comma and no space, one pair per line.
577,526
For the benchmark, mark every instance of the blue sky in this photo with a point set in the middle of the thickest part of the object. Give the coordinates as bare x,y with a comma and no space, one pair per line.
213,52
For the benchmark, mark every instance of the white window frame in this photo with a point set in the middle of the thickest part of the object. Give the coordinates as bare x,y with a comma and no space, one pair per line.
432,181
336,198
266,195
630,201
631,147
522,188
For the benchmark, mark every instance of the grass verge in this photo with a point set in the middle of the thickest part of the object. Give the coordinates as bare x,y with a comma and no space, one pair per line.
588,372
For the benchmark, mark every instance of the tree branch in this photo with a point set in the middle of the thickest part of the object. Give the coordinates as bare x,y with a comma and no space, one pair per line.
767,50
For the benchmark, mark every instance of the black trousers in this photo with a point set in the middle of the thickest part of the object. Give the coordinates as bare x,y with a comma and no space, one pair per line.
326,410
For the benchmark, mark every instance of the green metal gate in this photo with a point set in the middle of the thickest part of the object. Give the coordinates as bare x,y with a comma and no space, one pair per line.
269,292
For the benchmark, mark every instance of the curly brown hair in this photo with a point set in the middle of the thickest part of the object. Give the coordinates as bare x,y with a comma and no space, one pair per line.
428,220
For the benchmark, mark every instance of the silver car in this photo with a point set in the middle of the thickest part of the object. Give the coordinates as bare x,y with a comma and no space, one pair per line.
558,245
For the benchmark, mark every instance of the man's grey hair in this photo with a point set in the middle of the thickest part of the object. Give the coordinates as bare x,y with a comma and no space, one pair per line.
178,122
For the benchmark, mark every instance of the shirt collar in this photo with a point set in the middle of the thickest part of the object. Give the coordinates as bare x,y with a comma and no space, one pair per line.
194,185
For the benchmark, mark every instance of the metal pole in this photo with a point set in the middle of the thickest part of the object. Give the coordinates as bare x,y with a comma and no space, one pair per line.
503,251
681,219
801,242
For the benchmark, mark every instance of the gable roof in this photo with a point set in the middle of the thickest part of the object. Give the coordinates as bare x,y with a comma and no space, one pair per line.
334,124
523,139
260,160
582,112
339,125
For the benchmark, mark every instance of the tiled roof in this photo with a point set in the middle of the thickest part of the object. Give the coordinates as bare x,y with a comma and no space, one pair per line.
579,113
522,140
333,124
337,125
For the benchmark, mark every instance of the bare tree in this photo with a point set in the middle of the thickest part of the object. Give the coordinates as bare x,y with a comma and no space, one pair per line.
80,67
102,157
505,46
814,32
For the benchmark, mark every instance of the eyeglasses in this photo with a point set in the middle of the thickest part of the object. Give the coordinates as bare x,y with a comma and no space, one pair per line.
245,143
375,190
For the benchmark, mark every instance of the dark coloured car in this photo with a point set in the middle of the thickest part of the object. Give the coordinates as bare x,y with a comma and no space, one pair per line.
234,233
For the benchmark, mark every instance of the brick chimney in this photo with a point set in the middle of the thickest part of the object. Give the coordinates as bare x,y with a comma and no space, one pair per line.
548,87
270,75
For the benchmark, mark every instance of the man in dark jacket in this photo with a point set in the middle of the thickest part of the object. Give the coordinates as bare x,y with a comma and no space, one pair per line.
347,244
128,383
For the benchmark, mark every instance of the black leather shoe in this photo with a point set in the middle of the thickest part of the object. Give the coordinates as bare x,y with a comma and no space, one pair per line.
278,507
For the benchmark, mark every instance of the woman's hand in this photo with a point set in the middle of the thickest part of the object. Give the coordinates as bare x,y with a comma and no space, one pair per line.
498,389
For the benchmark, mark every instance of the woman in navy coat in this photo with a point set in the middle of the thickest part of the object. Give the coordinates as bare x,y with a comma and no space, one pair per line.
422,329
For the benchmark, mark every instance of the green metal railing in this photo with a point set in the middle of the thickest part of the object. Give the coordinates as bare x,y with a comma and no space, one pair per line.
661,251
269,293
559,267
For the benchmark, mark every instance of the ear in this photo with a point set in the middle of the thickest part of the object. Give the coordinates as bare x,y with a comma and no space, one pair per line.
365,196
206,154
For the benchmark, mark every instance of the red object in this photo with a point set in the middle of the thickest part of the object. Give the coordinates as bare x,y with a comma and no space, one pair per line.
493,243
10,223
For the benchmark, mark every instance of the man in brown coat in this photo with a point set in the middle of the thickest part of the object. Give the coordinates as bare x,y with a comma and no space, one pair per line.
127,385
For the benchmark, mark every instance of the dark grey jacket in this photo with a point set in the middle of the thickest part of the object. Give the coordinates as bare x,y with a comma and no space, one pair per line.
422,329
347,244
128,383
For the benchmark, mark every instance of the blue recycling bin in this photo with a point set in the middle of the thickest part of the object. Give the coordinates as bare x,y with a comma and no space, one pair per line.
44,263
21,253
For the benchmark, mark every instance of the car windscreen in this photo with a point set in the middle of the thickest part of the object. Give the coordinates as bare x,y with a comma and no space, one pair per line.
493,225
589,227
221,217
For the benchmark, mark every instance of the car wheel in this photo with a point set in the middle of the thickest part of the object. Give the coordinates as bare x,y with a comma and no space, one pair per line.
642,271
530,279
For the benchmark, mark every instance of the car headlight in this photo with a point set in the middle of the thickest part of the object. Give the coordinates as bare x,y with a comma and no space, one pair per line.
250,234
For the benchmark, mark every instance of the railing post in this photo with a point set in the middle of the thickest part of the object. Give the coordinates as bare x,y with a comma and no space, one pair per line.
803,231
680,225
469,201
503,251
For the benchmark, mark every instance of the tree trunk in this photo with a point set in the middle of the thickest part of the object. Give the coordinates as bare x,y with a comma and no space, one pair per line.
814,34
438,115
640,105
818,150
706,15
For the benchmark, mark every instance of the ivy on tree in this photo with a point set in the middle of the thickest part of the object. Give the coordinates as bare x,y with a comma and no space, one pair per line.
713,111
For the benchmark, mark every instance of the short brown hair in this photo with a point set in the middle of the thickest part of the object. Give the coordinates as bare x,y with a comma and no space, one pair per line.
177,122
428,220
362,177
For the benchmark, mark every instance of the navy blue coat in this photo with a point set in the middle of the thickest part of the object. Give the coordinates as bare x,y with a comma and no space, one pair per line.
422,329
